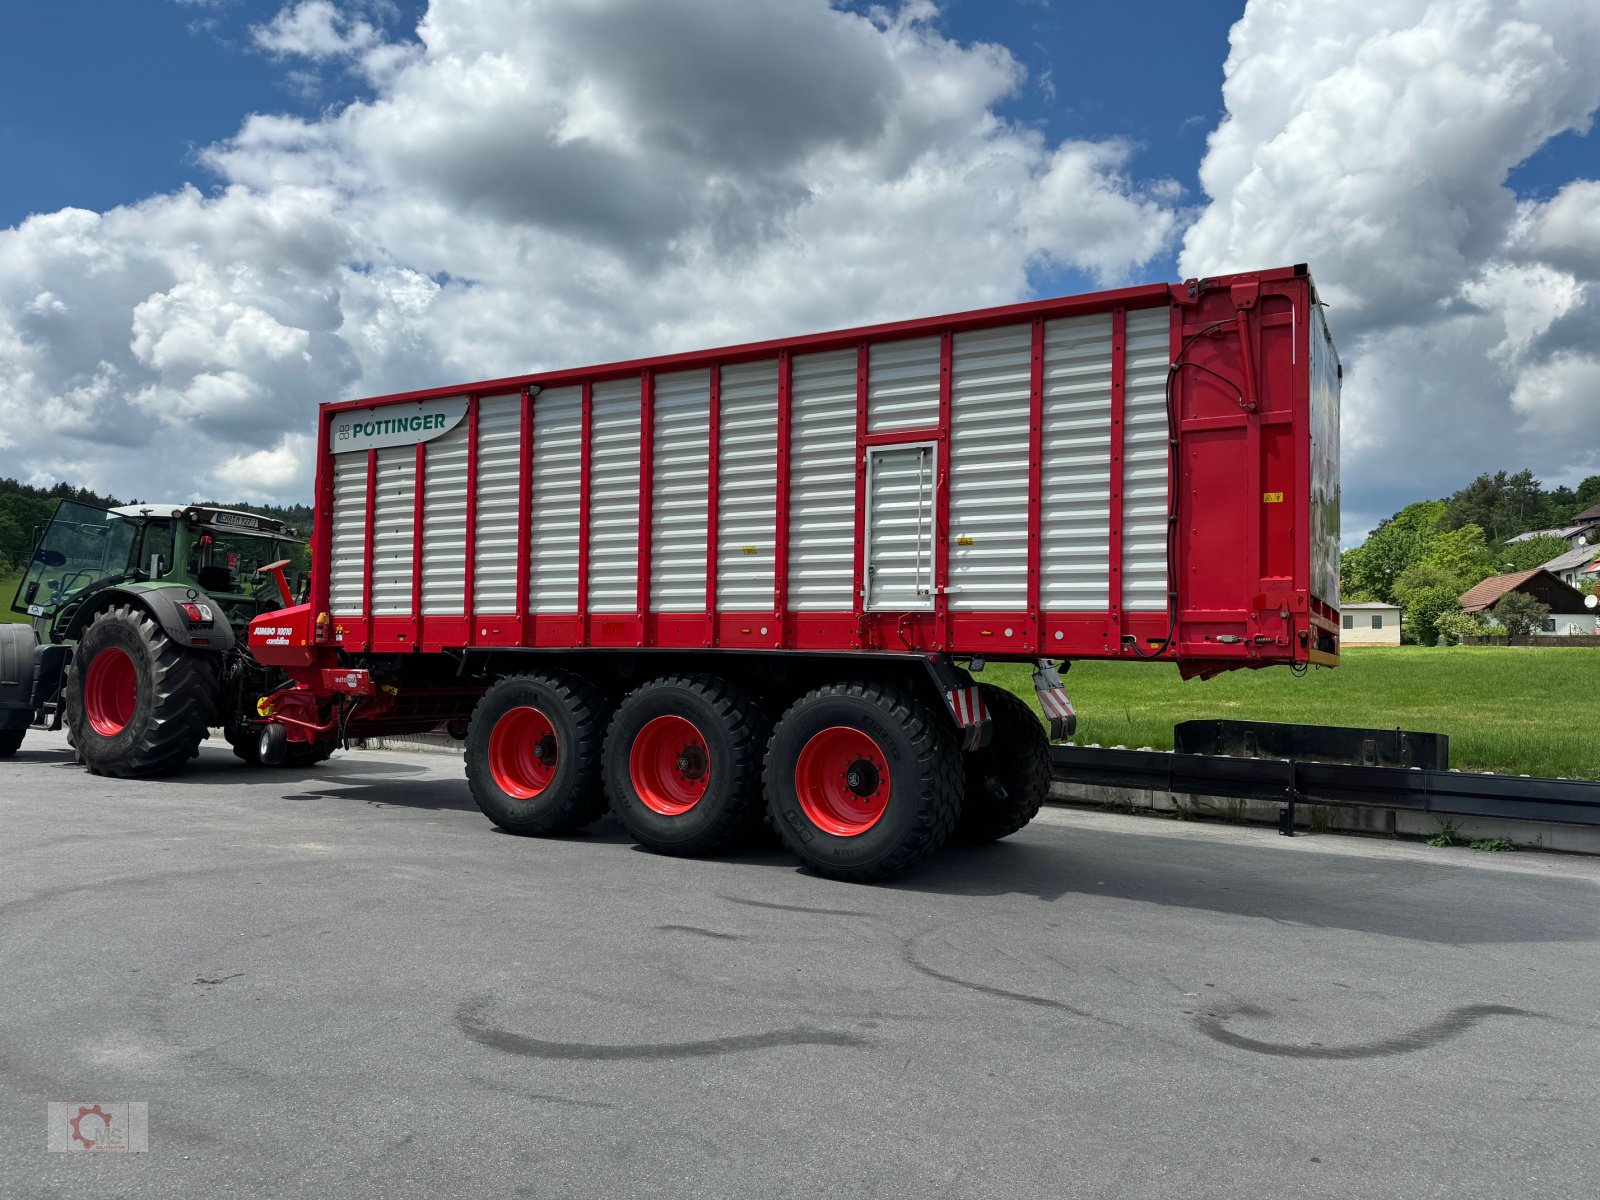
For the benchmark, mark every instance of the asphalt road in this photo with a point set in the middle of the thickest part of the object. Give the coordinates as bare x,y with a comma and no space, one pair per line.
346,983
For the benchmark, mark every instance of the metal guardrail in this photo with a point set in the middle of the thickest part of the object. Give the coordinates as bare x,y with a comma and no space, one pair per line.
1446,793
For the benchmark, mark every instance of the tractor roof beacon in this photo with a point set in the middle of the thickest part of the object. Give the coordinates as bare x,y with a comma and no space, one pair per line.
135,638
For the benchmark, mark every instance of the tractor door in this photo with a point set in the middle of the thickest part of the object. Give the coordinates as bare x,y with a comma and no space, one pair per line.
81,546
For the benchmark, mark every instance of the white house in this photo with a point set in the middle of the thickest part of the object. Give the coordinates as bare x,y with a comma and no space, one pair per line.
1572,567
1370,624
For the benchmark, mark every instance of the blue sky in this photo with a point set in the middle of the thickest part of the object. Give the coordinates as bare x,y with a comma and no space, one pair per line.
103,102
215,209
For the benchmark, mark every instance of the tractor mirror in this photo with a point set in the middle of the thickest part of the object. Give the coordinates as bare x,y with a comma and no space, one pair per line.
50,558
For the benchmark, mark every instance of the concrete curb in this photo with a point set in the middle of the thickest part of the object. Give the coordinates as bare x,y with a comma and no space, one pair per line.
1329,818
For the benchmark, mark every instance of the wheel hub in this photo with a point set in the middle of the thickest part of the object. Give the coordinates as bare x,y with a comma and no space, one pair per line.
691,762
861,777
544,751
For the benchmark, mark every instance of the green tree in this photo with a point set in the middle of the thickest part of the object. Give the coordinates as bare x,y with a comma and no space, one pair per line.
1463,553
1525,556
1519,613
1453,626
1586,494
1427,605
1397,543
1502,505
1421,577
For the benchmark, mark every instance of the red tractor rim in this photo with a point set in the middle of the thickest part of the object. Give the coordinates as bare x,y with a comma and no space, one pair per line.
669,765
523,752
110,691
842,781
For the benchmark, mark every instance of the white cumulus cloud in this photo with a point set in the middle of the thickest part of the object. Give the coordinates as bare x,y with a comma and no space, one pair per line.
535,183
1374,141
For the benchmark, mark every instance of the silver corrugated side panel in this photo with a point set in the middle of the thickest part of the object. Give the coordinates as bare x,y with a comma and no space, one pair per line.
394,528
903,385
444,524
679,501
747,469
989,469
557,483
614,497
1075,518
899,550
494,574
1145,461
822,484
348,558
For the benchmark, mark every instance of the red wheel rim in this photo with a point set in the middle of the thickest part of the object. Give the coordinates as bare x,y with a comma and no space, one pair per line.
110,691
842,781
669,765
523,752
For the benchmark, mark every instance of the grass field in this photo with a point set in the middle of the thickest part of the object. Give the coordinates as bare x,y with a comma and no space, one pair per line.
1506,709
8,592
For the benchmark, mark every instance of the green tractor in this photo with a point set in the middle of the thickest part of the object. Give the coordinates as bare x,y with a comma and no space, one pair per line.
136,635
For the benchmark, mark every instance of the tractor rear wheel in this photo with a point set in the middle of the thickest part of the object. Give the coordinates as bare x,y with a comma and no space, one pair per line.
862,780
11,741
1008,780
137,702
683,764
533,753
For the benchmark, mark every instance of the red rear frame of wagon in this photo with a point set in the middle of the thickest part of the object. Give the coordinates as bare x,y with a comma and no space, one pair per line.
1224,612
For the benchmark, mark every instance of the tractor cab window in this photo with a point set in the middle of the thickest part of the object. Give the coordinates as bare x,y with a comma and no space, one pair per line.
81,546
227,562
155,549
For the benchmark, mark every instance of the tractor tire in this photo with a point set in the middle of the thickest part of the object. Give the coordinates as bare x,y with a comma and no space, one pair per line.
863,781
533,753
11,741
138,704
298,754
1008,780
683,764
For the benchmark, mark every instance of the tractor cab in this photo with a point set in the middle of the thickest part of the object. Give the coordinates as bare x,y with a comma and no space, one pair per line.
215,551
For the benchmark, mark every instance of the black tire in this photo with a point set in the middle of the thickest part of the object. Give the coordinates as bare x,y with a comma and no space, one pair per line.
11,741
570,797
722,786
247,749
173,698
920,758
1008,780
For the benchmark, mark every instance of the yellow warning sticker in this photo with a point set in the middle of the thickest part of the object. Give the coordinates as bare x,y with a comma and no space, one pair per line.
1272,497
963,541
750,550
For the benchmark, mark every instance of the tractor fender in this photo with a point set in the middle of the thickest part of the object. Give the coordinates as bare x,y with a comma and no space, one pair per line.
18,647
163,604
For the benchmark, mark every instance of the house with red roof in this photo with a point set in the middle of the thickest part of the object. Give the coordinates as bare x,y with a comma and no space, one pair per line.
1568,615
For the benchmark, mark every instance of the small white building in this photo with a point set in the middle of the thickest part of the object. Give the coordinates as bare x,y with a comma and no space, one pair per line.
1369,623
